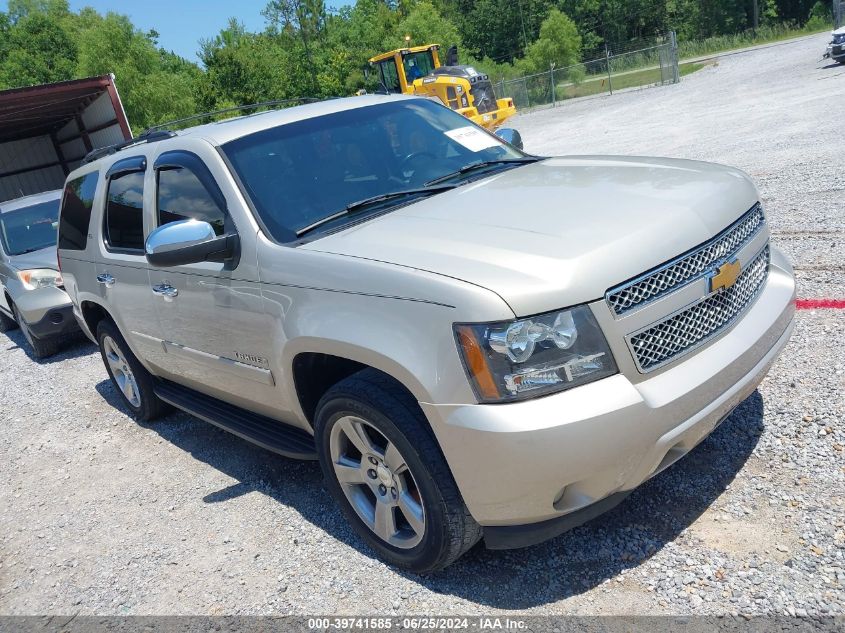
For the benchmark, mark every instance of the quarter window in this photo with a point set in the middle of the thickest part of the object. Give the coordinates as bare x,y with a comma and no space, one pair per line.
124,212
182,196
77,201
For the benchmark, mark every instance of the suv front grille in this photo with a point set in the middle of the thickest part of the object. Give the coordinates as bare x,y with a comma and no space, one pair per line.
673,274
686,330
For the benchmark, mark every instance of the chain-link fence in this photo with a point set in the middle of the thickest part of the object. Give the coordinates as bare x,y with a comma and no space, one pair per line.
838,13
620,69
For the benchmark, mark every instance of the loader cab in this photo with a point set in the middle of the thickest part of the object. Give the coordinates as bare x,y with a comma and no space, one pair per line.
398,69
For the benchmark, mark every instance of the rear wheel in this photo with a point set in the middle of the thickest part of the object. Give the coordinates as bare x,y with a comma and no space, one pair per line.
132,381
383,466
41,347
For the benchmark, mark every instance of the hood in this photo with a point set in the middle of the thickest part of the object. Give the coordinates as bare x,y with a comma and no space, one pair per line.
839,31
44,258
559,232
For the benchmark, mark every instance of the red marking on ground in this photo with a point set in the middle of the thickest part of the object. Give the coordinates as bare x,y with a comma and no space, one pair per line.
816,304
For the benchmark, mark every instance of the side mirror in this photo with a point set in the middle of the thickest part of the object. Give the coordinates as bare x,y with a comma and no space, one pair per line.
190,242
510,136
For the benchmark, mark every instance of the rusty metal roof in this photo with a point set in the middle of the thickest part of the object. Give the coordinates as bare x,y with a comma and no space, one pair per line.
44,109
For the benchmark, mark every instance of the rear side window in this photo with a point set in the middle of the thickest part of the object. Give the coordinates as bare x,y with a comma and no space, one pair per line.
124,212
181,196
77,201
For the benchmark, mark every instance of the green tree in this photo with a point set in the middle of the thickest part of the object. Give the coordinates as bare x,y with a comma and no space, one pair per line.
501,29
301,22
425,25
19,9
38,50
559,43
244,67
153,87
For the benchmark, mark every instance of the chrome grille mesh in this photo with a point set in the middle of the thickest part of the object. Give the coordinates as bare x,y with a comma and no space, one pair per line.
675,273
685,330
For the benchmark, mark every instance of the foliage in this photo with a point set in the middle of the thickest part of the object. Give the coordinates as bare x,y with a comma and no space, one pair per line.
821,17
37,50
559,44
306,50
43,42
425,25
763,35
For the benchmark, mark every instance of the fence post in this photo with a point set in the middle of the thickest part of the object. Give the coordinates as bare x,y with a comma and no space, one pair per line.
676,70
607,61
525,87
552,77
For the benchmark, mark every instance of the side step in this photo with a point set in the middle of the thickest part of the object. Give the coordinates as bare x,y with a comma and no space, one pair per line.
266,432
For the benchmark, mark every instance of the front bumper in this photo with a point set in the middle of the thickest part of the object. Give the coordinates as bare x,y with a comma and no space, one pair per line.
48,312
546,459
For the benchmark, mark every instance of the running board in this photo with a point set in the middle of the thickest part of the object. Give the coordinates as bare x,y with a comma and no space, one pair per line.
266,432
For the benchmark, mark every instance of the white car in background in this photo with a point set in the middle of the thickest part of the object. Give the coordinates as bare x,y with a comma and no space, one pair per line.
32,296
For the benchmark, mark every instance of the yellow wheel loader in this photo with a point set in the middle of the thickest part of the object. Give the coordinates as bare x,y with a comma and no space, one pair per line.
417,70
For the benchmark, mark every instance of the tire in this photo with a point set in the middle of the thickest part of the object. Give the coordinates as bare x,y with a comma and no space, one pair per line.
41,347
430,524
131,380
7,323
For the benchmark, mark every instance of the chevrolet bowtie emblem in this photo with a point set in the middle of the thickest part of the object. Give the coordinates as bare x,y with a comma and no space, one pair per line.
725,276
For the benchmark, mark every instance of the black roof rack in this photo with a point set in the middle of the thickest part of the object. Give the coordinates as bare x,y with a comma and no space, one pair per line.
162,130
247,106
145,137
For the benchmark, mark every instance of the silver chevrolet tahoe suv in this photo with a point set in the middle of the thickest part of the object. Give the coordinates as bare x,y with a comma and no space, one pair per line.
474,342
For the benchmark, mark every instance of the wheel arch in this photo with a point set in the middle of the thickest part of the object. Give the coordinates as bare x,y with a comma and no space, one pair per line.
315,369
92,313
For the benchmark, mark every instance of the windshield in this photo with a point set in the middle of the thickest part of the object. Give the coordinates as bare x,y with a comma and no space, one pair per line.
418,65
302,172
30,228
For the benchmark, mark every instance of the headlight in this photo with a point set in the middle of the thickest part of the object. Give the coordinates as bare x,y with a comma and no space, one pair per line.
40,278
514,360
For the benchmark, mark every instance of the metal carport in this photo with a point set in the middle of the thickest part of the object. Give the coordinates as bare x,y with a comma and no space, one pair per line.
46,131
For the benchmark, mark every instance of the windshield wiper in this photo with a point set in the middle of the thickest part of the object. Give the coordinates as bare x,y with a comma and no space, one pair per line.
366,203
481,165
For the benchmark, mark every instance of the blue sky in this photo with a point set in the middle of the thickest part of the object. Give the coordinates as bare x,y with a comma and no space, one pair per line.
182,23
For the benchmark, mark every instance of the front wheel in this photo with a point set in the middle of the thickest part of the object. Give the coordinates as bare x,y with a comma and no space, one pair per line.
383,466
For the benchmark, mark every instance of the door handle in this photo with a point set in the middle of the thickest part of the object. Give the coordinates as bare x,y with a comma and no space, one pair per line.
106,279
165,290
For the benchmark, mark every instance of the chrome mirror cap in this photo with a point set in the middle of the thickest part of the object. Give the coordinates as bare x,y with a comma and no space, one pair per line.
178,235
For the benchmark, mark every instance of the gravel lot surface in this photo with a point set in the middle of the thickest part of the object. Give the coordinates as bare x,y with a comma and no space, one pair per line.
100,515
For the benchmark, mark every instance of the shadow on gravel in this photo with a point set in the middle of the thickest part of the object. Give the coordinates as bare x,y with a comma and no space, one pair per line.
575,562
298,484
75,346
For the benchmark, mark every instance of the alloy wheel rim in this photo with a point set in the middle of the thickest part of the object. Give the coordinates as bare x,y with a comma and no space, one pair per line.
377,482
121,372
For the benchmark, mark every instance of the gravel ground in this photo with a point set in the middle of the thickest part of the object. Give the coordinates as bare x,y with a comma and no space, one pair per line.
100,515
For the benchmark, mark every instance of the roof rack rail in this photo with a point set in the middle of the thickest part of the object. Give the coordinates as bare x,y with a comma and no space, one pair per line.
246,106
144,137
160,132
